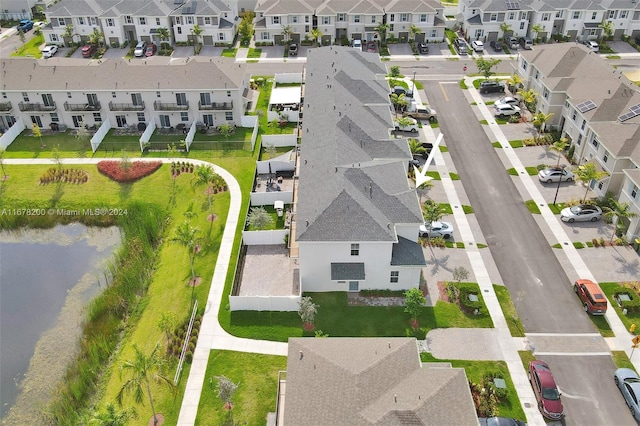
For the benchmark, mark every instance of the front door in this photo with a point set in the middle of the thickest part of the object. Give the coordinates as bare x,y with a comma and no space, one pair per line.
121,120
35,119
354,285
92,99
77,120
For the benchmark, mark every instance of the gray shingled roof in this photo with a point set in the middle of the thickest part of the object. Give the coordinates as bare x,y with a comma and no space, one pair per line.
371,381
155,73
407,253
347,271
353,183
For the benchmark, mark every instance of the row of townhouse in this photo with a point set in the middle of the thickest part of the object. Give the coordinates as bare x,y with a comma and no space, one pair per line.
576,19
338,20
60,93
16,10
129,20
357,219
597,109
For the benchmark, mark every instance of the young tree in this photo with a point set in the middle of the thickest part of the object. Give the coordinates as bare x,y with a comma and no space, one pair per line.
186,235
197,33
125,162
588,172
414,30
559,147
505,28
226,390
415,146
22,37
37,133
163,35
167,323
607,29
536,29
404,121
226,130
382,29
57,158
82,135
414,300
4,173
399,102
143,369
259,219
307,311
432,213
394,71
529,97
316,33
539,121
286,33
514,82
96,37
617,211
205,176
460,273
111,416
68,34
486,65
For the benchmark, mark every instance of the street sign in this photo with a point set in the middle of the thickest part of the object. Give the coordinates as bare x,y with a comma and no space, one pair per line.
636,340
464,68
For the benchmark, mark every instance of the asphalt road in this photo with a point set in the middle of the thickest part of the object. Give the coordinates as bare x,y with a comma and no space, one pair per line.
539,287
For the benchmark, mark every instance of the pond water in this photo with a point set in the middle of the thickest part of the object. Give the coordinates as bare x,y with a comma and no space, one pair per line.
46,279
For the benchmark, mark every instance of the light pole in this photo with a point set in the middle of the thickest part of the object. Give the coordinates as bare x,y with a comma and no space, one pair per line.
558,187
414,83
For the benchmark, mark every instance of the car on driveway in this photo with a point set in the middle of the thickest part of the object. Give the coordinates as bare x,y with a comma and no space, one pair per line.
411,127
506,110
496,46
545,390
49,51
371,46
423,48
461,46
500,421
399,90
436,229
581,213
592,45
150,50
477,46
628,382
25,25
293,49
491,86
508,100
357,44
88,50
555,174
513,43
138,52
421,112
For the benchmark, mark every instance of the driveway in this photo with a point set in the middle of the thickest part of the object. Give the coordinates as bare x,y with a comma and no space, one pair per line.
538,284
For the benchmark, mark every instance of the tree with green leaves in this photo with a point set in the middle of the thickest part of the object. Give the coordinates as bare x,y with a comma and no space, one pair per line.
382,29
539,121
167,323
143,370
205,176
399,102
245,29
316,33
287,31
226,130
68,34
529,97
125,162
416,148
515,82
536,29
96,37
620,212
588,172
196,31
505,28
404,121
415,30
111,416
37,133
164,35
432,213
260,219
608,28
394,71
187,236
460,273
414,301
22,37
307,311
559,147
226,390
486,65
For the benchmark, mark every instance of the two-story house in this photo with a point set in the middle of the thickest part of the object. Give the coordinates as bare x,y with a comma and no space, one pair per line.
597,109
16,10
357,219
68,92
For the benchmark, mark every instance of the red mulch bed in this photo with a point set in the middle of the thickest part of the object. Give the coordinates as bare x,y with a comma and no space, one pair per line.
137,170
442,291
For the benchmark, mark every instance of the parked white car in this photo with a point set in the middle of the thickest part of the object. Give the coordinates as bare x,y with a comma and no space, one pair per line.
582,213
357,44
477,46
553,174
592,45
436,229
49,51
504,110
413,127
510,100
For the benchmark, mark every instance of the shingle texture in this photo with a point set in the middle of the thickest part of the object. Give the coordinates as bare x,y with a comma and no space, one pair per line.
371,381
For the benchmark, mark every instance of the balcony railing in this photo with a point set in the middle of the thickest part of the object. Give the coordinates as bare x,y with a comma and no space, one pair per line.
126,107
82,107
216,106
36,106
6,106
164,106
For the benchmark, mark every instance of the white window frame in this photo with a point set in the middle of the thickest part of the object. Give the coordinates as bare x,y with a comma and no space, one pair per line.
341,17
394,277
80,20
110,22
326,20
404,17
355,249
546,17
356,19
128,19
275,20
576,14
142,20
423,17
493,17
62,22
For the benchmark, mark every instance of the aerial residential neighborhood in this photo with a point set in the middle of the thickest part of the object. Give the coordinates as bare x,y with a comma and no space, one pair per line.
391,213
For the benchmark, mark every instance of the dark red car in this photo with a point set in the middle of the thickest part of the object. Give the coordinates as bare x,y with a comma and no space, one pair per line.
371,46
545,389
88,50
150,50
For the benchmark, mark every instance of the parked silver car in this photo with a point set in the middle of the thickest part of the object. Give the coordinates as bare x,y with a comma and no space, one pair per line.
553,174
582,213
628,382
436,229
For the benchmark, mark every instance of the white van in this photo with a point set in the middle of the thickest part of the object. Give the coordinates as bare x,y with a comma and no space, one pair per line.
357,44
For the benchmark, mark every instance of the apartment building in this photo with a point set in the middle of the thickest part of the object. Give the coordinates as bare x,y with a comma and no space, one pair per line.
72,21
357,219
58,93
576,19
597,109
339,20
16,10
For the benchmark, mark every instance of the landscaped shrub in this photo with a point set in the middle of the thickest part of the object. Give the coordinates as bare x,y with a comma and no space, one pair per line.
134,171
632,306
54,174
463,297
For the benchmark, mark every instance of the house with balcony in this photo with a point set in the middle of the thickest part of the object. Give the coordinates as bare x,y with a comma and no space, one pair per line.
16,10
597,109
357,219
217,21
58,93
272,16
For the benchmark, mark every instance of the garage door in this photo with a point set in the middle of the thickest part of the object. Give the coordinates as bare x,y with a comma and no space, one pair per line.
207,40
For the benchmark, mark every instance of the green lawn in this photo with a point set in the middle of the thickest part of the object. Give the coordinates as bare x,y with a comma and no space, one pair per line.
627,320
531,171
516,143
278,222
257,379
230,52
476,370
532,206
31,48
621,360
511,315
254,53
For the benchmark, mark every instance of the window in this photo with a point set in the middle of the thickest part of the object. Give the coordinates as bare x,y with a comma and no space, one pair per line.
595,142
294,19
97,117
228,115
573,114
612,14
184,116
512,16
546,16
80,20
69,95
61,22
373,19
404,17
54,117
594,16
221,36
25,96
341,17
177,20
92,21
157,94
207,20
356,18
434,33
624,14
559,14
275,19
179,30
189,20
394,276
141,116
158,22
391,27
53,37
355,249
522,25
110,22
113,94
634,191
605,157
306,19
326,20
181,98
229,93
566,104
494,17
142,20
264,35
545,93
523,16
128,20
165,121
208,119
136,98
306,28
35,119
205,98
525,64
584,124
600,184
537,75
579,141
576,15
423,17
392,17
593,32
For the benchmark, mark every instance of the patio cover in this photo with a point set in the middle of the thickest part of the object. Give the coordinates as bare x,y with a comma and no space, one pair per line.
285,95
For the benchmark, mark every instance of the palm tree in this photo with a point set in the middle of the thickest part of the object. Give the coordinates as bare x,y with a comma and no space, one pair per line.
415,146
112,417
505,28
382,29
618,211
316,33
96,37
588,172
514,82
143,370
415,30
539,120
286,32
607,29
536,29
197,32
399,101
163,35
559,146
68,34
404,121
529,97
204,175
186,236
